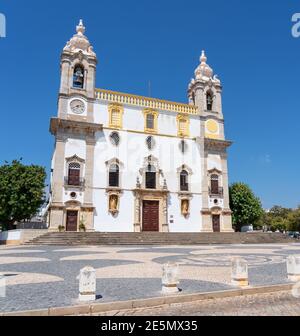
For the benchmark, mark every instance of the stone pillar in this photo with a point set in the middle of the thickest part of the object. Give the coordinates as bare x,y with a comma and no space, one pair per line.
137,213
227,219
89,181
56,217
87,214
165,225
58,170
65,76
218,101
199,98
205,213
90,80
90,112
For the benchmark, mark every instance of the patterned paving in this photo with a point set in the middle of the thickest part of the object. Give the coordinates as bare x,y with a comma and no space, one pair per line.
41,277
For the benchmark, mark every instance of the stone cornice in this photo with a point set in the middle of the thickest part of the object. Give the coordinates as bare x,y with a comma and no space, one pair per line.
72,126
214,144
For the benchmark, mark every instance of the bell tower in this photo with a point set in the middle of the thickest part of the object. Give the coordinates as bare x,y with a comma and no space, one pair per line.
205,92
78,71
74,124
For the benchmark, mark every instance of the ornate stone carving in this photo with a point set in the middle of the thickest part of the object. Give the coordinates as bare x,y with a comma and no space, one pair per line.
79,43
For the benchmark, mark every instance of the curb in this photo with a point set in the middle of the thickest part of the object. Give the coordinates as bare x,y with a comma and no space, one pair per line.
90,309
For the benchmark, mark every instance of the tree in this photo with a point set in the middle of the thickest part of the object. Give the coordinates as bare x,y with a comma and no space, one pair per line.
21,192
278,218
294,220
246,207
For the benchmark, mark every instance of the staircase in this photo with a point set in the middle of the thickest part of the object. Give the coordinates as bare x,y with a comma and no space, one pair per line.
154,238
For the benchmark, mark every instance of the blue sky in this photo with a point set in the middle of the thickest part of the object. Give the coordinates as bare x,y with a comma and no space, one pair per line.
248,43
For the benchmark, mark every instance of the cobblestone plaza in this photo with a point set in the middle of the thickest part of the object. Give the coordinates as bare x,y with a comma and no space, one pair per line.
43,277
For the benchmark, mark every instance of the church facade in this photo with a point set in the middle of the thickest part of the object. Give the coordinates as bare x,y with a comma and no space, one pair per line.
127,163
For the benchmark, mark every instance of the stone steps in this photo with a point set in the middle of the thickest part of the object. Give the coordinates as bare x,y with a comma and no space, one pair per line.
98,238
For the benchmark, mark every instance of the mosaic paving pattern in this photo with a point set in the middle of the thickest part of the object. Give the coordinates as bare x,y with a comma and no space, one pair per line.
41,277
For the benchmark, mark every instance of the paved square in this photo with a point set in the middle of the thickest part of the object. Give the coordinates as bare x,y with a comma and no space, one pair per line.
42,277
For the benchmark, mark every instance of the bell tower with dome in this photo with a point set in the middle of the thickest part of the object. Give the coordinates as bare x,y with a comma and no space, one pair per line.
72,185
205,92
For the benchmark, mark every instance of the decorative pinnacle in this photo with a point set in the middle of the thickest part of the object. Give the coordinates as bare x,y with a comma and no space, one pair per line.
80,28
203,57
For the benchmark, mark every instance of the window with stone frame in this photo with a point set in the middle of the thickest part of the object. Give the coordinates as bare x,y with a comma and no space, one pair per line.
74,174
150,121
150,177
183,126
214,184
184,181
114,175
115,116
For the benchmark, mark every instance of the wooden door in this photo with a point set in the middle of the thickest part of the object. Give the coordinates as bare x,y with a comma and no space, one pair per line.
151,216
72,218
74,177
216,223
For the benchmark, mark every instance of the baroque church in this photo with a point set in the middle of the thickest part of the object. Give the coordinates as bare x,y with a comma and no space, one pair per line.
127,163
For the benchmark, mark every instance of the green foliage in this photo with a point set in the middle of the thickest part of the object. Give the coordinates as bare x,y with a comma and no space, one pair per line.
246,207
82,226
294,220
61,228
282,219
21,192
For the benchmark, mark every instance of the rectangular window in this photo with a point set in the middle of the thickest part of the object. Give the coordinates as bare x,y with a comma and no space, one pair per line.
182,127
184,186
74,177
150,180
115,118
150,121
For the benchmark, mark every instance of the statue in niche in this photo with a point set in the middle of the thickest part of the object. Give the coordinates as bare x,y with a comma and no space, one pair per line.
185,207
113,203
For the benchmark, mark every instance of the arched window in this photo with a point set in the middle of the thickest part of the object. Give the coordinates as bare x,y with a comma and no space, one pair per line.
150,177
209,101
78,77
74,174
184,183
114,175
214,184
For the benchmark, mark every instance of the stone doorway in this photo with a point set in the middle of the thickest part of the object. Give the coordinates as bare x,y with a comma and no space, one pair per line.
216,223
72,220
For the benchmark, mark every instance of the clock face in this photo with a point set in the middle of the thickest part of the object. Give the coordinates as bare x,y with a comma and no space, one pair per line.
77,106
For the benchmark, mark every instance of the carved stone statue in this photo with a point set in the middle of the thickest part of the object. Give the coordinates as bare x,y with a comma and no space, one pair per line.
185,207
113,203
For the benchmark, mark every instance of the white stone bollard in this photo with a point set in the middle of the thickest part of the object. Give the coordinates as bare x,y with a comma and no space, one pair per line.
239,272
2,286
170,279
293,267
87,284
